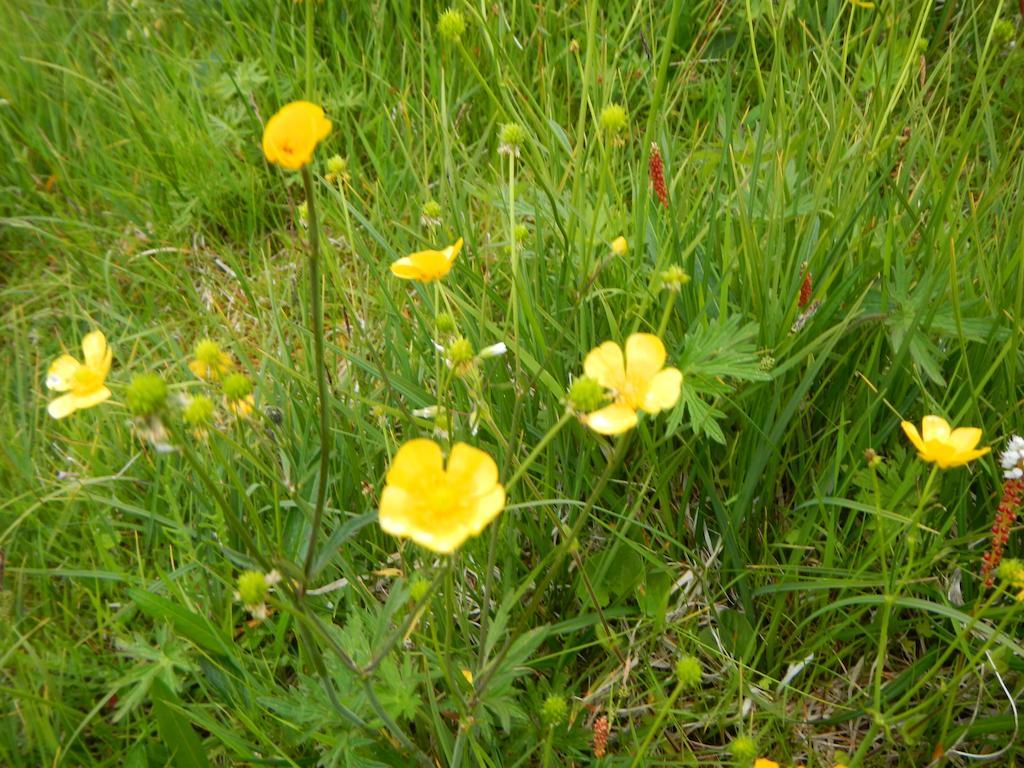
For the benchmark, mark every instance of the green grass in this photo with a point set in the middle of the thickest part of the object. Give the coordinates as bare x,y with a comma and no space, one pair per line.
877,149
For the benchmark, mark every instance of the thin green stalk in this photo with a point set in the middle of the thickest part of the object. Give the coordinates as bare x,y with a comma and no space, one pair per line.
641,752
492,546
399,631
316,297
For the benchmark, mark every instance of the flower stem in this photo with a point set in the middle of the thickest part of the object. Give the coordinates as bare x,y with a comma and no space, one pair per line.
309,51
316,297
492,547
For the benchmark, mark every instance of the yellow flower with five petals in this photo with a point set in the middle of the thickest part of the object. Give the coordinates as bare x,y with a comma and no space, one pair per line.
292,134
82,382
439,506
937,442
637,381
428,265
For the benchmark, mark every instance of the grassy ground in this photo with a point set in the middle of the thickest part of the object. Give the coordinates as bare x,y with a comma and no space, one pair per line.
833,601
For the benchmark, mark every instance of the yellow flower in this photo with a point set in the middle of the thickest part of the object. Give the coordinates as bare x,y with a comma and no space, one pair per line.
637,382
210,363
440,507
292,134
764,762
619,246
83,382
946,447
426,265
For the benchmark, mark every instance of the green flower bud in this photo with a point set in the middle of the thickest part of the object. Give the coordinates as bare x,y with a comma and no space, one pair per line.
208,352
460,351
252,587
451,25
744,749
689,671
146,394
586,395
674,278
445,324
521,232
303,211
237,386
337,165
1003,32
554,710
511,137
198,412
613,119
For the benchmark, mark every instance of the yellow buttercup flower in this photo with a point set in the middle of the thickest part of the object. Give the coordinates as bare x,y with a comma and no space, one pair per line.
426,265
946,447
83,382
292,134
637,381
210,362
620,246
764,762
440,507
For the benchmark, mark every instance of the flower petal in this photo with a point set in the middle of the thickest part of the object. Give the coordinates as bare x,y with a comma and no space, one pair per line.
934,428
452,251
407,269
486,508
965,438
613,419
645,356
396,511
418,466
663,391
606,366
471,471
69,403
97,353
912,434
61,373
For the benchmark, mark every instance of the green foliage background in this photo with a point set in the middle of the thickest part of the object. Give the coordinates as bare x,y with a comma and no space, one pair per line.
877,149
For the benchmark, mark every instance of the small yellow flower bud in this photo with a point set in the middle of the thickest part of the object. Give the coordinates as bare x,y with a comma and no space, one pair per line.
586,395
511,138
430,214
252,587
461,355
689,671
613,119
146,395
744,749
620,246
208,352
237,386
445,324
554,710
198,412
451,25
674,278
521,232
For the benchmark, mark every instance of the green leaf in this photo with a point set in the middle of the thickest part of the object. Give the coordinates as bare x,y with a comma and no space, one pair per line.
176,729
186,623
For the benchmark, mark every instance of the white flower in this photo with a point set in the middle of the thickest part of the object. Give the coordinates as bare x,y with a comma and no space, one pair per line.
1012,459
495,350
